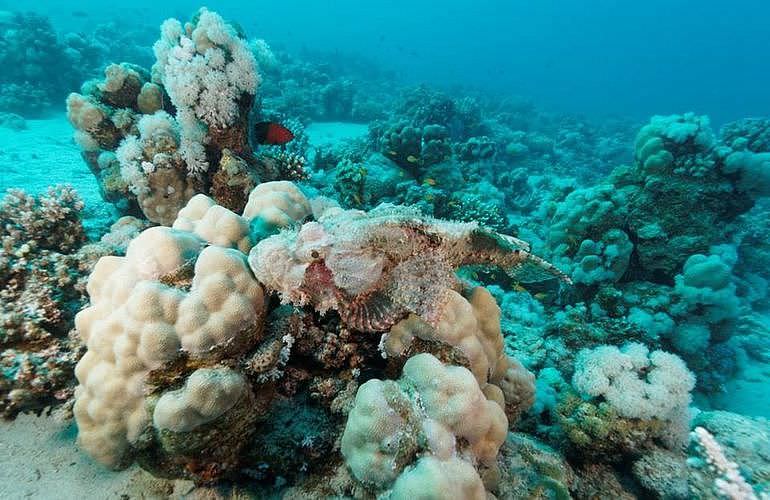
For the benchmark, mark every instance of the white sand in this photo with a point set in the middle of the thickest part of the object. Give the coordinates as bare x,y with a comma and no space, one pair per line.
329,133
39,459
43,155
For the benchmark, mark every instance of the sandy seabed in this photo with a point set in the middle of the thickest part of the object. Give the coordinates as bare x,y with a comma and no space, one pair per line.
44,155
40,459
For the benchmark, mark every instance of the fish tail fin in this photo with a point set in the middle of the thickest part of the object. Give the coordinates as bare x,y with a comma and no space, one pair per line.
533,269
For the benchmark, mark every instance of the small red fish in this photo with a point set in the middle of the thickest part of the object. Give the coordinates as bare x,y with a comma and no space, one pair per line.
271,133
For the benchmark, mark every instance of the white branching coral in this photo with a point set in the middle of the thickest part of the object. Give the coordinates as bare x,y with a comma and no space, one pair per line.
130,157
206,69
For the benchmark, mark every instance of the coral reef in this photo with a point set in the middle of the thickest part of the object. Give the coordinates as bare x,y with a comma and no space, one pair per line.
39,68
371,331
188,359
155,138
45,260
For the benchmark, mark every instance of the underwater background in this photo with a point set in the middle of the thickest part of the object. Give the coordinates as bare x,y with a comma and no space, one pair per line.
337,249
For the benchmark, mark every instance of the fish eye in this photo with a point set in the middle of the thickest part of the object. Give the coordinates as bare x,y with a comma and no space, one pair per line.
314,254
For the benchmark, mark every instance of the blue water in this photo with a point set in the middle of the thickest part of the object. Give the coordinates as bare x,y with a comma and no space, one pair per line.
602,58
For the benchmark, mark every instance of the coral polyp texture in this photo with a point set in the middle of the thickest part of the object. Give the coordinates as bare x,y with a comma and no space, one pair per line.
174,292
422,418
154,138
45,259
187,358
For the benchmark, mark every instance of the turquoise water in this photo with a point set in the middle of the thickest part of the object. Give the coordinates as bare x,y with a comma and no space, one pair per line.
403,250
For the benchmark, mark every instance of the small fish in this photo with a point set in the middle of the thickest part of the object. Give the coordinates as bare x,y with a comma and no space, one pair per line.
430,182
518,288
541,296
412,159
271,133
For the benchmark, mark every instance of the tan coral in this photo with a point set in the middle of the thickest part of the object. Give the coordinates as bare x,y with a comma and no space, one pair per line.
168,191
434,410
214,223
472,327
207,394
150,98
277,203
136,324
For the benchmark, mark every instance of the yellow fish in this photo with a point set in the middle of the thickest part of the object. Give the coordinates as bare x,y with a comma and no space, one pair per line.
411,159
429,181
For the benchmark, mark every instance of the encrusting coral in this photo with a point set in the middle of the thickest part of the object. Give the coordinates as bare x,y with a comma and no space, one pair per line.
186,353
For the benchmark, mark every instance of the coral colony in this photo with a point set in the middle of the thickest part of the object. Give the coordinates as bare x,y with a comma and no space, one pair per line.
473,301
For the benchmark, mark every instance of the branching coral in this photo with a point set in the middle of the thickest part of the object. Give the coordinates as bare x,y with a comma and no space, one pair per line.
729,482
729,456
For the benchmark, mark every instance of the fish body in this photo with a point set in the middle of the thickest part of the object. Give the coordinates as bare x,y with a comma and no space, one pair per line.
272,134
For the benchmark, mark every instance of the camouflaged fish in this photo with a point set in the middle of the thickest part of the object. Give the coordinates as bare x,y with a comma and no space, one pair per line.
374,268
